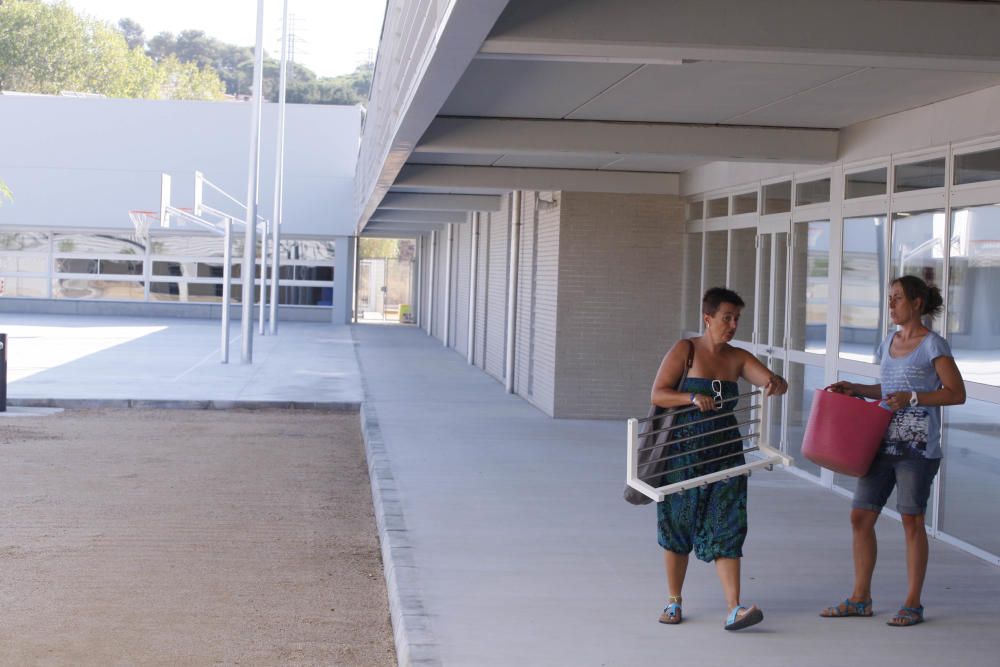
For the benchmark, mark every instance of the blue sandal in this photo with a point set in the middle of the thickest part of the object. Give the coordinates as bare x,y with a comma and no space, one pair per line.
672,612
848,608
753,616
907,616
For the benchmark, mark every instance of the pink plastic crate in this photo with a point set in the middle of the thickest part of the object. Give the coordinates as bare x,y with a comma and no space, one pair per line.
844,433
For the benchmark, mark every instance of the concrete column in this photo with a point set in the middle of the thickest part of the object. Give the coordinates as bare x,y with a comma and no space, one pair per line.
446,336
432,248
515,258
474,264
343,279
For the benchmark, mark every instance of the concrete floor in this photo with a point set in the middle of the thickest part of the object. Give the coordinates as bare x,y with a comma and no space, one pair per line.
504,535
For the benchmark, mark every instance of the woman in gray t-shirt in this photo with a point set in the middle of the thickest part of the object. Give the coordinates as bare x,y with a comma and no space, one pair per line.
918,375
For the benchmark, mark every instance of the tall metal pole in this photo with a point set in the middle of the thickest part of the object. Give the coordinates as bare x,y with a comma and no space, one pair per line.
262,300
279,173
227,282
473,276
253,177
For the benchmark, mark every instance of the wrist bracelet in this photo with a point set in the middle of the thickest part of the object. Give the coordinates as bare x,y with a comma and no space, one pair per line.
692,398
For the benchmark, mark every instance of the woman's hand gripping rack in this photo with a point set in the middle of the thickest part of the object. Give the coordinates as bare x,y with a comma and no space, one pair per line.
650,460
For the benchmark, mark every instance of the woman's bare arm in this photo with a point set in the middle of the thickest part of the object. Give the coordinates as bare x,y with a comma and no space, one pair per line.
760,375
663,393
952,391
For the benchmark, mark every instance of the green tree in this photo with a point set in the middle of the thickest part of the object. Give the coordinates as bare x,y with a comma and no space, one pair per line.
49,49
371,248
134,35
5,194
187,81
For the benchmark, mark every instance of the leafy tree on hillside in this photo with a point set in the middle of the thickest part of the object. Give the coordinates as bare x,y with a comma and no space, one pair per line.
49,49
133,32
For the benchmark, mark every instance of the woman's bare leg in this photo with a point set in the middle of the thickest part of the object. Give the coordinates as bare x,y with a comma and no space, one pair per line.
865,548
916,557
677,565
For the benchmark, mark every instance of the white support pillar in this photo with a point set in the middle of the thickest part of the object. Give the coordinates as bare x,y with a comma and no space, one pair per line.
515,258
418,299
343,279
430,283
473,270
446,337
279,173
253,177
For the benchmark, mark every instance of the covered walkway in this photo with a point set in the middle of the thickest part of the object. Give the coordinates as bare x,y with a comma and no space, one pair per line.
505,538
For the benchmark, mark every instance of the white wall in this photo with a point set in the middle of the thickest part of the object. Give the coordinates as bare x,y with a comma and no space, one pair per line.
84,162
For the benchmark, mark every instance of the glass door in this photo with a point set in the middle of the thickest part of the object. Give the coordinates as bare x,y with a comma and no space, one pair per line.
771,319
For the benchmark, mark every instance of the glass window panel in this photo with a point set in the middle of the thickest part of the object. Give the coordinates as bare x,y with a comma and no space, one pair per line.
24,241
172,245
718,208
119,267
192,269
313,250
745,203
866,183
192,292
692,282
75,265
24,263
778,197
716,253
103,244
319,273
970,474
299,295
973,316
812,192
918,247
780,287
977,167
763,308
863,288
695,210
810,285
776,406
37,288
743,277
919,175
81,288
803,381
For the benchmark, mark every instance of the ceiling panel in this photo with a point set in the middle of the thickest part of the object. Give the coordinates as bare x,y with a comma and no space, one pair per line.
477,159
865,95
529,89
556,161
669,163
703,92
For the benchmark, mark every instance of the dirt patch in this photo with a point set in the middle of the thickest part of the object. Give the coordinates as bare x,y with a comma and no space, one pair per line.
175,537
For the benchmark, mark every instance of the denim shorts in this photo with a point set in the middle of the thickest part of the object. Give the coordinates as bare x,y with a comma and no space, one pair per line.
910,476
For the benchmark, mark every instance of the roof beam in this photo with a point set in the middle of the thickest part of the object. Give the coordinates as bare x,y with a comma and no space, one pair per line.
428,217
439,202
957,36
511,136
506,179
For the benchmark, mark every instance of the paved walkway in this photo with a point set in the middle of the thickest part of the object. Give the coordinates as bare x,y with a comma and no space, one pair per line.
505,538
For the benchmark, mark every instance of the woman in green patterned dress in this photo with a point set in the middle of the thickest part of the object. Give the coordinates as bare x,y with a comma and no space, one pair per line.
711,520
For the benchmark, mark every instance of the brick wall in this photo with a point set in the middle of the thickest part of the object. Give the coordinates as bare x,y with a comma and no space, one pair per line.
619,300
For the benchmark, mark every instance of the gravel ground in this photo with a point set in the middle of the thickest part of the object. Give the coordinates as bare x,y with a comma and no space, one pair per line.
176,537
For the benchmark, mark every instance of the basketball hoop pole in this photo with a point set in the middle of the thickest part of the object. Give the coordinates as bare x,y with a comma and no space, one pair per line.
249,271
279,173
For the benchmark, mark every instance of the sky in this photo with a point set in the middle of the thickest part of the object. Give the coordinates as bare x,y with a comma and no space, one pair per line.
332,37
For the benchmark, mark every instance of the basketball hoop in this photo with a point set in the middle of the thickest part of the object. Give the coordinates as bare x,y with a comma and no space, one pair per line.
142,220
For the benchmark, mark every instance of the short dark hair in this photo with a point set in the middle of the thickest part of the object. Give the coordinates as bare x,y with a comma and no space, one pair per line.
717,296
915,288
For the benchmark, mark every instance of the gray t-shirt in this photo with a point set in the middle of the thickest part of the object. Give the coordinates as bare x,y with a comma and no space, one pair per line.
913,432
